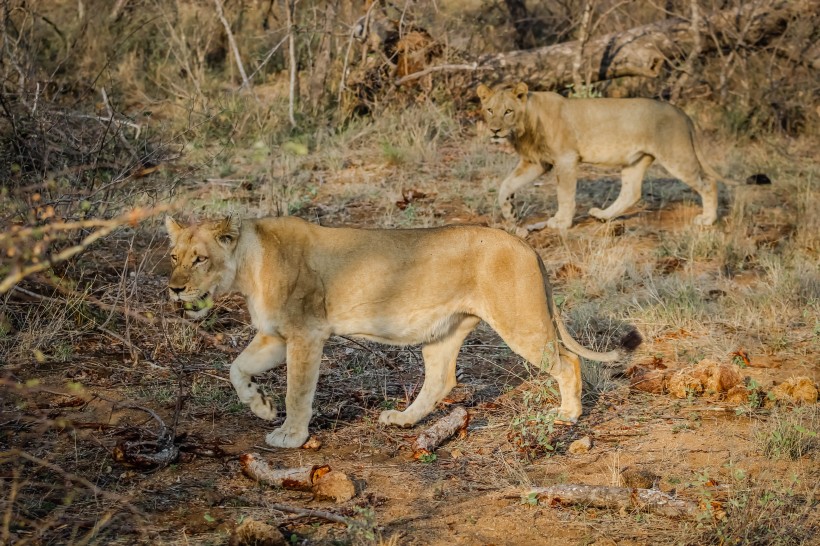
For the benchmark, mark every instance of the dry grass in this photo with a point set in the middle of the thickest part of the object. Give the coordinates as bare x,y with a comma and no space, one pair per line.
751,282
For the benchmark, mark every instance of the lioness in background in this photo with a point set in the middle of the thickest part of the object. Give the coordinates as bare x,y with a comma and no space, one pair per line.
304,283
550,132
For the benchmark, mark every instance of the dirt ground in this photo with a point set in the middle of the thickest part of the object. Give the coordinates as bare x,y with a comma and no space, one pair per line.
473,491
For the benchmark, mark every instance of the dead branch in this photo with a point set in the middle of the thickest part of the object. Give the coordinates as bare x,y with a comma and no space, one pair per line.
151,454
298,479
308,513
439,68
289,8
621,498
324,483
234,48
438,432
132,217
640,51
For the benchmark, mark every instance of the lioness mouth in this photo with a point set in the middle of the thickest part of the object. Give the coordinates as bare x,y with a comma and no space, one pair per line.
198,307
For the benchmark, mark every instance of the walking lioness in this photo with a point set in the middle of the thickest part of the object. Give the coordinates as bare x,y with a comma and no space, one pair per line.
552,133
304,283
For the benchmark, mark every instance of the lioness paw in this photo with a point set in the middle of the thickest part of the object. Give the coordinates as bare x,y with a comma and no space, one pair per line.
394,417
263,407
507,211
559,223
595,212
704,219
287,437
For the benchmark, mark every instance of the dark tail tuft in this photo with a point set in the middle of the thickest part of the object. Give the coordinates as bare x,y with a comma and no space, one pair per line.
631,340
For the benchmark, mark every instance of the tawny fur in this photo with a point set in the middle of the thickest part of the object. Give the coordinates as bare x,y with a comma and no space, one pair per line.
552,134
304,283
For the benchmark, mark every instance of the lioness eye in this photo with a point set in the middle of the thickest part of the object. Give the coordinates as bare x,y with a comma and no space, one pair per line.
508,112
490,111
173,257
200,259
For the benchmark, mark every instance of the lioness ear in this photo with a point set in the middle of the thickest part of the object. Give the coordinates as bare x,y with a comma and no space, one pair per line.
520,91
173,228
483,92
226,231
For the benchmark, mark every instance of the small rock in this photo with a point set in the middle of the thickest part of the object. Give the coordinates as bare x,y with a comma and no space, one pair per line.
335,486
312,443
256,533
580,446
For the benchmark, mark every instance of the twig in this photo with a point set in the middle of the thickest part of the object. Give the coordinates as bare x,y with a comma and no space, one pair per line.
602,496
16,453
440,68
220,13
267,57
312,513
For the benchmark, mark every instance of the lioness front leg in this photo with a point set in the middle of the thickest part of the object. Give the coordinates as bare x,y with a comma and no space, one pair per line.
439,376
524,173
304,357
565,171
262,354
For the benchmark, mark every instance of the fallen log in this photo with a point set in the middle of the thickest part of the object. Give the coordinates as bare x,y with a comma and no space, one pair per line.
430,438
324,483
298,479
620,498
640,51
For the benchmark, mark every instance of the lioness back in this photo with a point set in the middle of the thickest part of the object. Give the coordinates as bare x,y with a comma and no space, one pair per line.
371,277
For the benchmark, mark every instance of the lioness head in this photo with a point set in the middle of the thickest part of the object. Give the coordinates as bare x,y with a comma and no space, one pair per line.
203,262
503,109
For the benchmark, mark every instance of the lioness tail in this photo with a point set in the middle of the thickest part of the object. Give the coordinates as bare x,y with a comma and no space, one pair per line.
628,343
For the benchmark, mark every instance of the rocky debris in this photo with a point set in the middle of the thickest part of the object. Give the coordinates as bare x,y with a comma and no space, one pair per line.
334,486
795,390
580,446
707,378
636,477
256,533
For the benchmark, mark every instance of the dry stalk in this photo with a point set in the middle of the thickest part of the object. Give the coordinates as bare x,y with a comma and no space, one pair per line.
234,48
583,37
289,8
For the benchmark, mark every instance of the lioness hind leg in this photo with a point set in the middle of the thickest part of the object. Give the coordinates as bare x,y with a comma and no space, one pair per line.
693,176
568,375
631,180
262,354
439,376
566,171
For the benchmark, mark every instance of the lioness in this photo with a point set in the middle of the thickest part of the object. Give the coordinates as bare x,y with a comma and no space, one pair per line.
552,133
304,283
